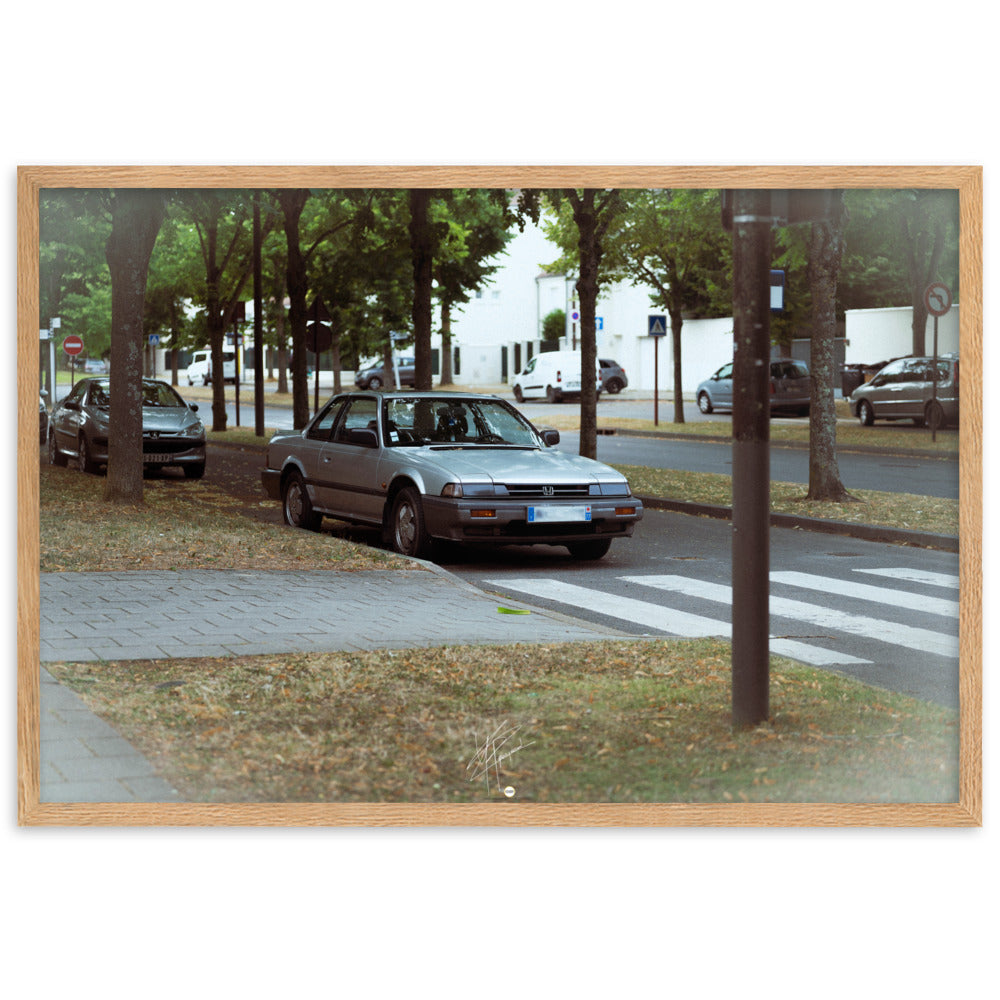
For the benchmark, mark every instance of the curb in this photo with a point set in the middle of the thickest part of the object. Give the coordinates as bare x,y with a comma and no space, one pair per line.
868,532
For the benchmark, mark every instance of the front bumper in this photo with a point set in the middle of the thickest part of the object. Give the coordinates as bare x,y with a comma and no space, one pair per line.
510,522
156,452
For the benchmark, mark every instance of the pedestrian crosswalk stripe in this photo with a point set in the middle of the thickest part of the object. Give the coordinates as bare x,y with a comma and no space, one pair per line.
641,612
864,592
872,628
657,616
916,576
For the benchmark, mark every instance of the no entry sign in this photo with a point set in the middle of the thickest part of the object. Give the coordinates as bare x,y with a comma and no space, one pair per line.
72,345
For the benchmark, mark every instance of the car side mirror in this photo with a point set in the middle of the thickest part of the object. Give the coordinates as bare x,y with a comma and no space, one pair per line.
193,406
71,404
550,437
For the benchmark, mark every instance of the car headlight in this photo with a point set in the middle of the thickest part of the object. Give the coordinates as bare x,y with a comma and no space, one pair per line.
457,490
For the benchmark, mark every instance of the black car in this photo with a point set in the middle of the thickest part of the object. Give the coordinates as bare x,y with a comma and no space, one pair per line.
172,434
374,377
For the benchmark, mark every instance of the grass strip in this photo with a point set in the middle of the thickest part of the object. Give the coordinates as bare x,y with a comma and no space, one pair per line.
633,721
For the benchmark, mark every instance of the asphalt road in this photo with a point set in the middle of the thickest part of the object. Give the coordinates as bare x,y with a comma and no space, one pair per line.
862,471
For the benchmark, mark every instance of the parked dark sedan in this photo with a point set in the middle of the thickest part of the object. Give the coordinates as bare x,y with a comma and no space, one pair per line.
172,434
43,419
444,465
790,388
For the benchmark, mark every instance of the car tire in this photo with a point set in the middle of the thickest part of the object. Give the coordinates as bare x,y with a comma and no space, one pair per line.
407,528
552,395
296,507
934,416
596,549
518,395
195,471
56,457
704,403
614,386
83,460
866,415
374,383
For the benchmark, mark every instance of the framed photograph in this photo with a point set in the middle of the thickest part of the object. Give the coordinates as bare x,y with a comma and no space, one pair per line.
591,496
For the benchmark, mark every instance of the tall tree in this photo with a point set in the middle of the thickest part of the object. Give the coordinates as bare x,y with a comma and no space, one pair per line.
826,251
674,243
136,217
478,230
422,250
222,221
594,214
292,201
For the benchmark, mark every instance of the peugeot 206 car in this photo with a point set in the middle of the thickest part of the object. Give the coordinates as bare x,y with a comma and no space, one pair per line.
434,465
172,434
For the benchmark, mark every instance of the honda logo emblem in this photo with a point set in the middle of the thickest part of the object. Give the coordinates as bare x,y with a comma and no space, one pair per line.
548,491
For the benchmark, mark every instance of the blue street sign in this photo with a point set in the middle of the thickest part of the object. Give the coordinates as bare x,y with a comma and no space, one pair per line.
154,339
657,326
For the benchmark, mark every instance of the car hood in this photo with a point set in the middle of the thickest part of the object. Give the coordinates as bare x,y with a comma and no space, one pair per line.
167,418
520,465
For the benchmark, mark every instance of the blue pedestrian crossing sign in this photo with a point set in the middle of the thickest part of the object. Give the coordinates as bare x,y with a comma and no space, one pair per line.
657,326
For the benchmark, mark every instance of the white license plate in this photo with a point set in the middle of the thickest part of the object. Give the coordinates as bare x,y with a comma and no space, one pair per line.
157,458
572,385
537,514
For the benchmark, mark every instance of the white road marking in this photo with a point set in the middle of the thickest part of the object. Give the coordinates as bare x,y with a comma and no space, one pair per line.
865,592
916,576
908,636
657,616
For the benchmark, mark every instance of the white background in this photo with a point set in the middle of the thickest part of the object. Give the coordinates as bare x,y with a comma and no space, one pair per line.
805,913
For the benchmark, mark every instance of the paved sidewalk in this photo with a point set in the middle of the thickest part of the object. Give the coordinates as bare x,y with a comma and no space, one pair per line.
125,616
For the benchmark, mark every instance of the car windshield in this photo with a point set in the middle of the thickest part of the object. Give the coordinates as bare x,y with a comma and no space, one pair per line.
159,394
420,420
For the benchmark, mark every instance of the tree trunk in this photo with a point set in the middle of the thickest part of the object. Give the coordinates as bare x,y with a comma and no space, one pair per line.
421,250
136,219
676,322
586,287
447,375
826,249
292,202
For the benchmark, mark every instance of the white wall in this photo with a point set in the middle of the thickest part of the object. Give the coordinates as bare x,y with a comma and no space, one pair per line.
875,335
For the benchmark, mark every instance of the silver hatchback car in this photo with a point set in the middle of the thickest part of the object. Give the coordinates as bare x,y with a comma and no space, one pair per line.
906,389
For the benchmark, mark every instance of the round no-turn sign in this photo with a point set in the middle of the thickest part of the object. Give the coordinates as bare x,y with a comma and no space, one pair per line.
937,298
72,345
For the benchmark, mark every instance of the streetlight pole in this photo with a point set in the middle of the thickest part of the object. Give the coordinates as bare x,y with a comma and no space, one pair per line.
751,458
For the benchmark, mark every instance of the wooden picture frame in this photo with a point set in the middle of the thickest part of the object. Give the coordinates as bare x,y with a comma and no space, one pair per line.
966,811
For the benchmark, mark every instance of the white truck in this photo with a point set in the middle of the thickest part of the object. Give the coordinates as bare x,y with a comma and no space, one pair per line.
554,375
200,370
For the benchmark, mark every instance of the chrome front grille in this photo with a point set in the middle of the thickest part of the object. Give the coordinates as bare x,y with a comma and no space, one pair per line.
542,491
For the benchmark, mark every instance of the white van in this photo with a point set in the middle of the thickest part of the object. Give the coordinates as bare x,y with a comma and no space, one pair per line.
200,369
553,375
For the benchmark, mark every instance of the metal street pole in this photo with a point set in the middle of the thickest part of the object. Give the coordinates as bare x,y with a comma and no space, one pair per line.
751,458
258,323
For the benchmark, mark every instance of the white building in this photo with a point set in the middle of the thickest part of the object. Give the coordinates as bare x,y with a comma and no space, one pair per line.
500,329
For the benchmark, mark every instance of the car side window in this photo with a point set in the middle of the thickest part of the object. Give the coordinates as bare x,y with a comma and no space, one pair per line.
359,414
320,430
726,371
